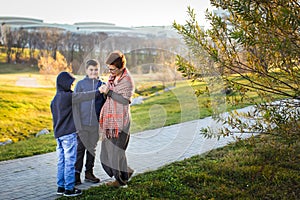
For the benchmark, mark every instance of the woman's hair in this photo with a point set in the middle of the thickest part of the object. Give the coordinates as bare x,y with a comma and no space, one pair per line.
92,62
116,58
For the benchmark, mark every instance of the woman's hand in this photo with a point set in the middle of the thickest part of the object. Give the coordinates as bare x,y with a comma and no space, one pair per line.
103,89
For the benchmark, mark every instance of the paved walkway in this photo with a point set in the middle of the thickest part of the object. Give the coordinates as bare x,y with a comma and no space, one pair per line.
27,82
35,177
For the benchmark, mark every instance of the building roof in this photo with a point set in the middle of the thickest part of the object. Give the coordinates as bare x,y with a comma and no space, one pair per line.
19,20
85,27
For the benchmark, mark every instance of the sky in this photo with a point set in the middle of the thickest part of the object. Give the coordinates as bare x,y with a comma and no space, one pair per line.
127,13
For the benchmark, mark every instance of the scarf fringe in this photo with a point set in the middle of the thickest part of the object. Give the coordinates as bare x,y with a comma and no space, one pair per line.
111,133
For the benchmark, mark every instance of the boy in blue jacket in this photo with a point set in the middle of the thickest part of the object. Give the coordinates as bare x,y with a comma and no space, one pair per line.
87,124
65,131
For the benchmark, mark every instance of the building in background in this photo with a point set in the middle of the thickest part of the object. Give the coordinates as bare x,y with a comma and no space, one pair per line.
85,27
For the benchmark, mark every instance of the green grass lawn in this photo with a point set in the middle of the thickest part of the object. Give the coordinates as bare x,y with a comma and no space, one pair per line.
24,111
17,69
30,147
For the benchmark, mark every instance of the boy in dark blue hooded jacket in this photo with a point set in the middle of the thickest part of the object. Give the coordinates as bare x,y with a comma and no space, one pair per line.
65,131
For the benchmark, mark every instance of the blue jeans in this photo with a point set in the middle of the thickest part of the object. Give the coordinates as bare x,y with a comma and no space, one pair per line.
66,157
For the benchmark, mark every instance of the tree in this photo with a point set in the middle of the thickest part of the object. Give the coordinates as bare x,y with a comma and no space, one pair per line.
21,42
48,65
259,42
8,41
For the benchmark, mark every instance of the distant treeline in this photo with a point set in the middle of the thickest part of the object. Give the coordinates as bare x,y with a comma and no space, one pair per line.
27,46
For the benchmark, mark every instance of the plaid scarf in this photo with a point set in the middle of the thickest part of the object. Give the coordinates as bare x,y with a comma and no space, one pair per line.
114,116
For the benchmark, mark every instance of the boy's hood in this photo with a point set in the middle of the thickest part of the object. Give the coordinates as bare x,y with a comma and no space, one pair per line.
64,81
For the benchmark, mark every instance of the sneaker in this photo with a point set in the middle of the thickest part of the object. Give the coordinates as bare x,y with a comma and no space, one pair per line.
77,178
116,184
60,191
90,177
72,193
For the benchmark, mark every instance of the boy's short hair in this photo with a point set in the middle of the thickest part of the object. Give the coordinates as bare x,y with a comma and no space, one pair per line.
92,62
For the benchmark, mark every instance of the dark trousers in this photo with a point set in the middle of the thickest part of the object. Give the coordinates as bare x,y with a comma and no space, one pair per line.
87,140
113,158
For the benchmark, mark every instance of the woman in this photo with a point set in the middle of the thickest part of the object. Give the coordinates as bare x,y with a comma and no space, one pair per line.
115,120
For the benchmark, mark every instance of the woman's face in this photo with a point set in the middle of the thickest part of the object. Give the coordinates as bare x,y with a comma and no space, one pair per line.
114,71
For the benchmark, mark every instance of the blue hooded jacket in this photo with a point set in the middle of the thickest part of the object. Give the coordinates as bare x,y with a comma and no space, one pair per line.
63,103
61,106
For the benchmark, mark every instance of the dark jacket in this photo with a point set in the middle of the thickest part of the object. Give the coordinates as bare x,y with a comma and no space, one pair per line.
62,104
89,110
